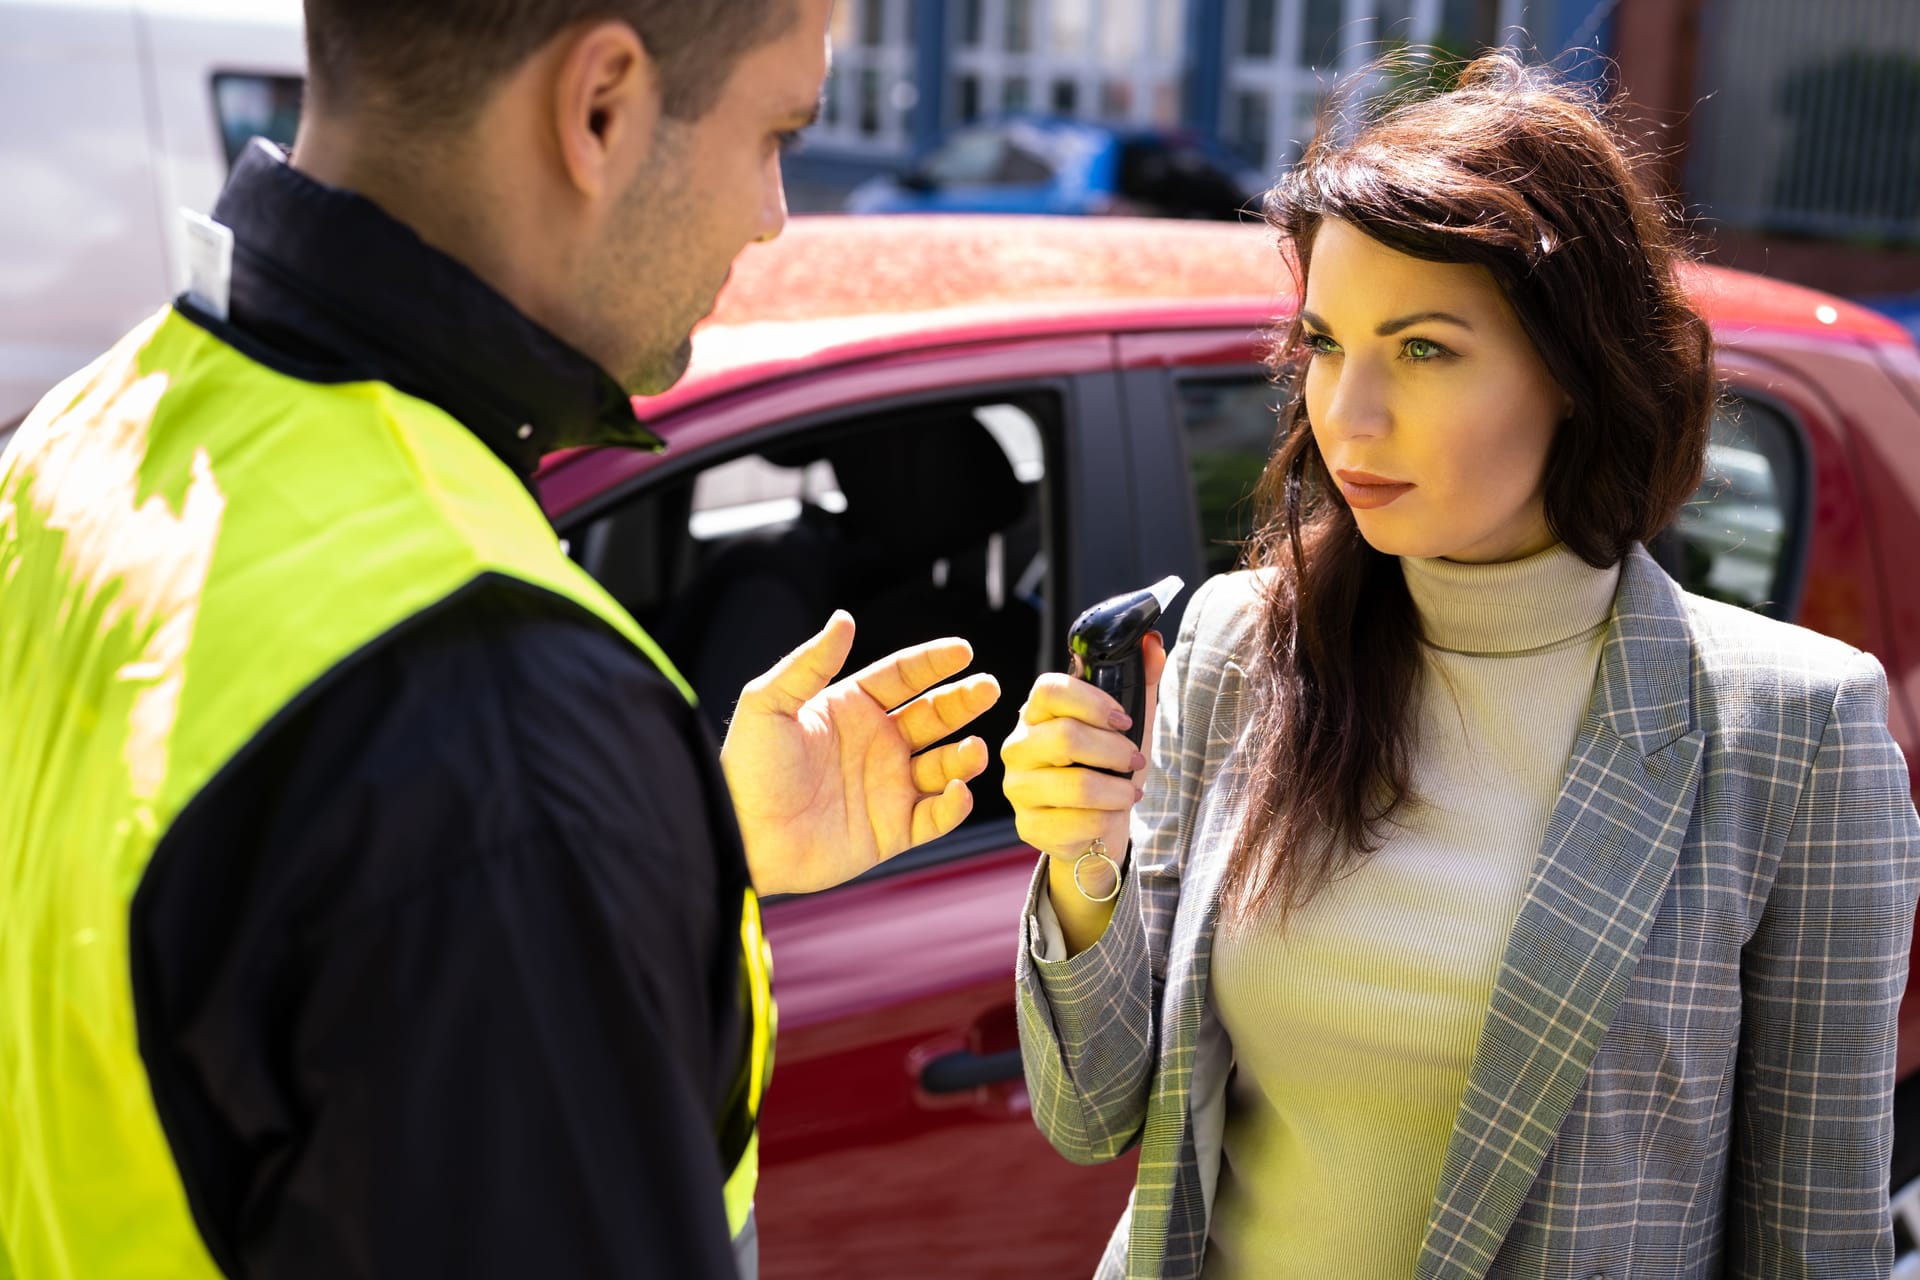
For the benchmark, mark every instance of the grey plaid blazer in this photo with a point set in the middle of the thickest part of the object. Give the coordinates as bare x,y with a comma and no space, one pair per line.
1687,1064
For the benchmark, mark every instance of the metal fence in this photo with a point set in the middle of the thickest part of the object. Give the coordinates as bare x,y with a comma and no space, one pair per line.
1809,118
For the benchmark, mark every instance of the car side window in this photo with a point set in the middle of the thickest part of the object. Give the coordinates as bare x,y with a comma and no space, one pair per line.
986,157
926,521
1739,539
1020,167
247,106
1230,425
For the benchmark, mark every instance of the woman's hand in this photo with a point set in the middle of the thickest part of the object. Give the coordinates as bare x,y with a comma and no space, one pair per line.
1068,729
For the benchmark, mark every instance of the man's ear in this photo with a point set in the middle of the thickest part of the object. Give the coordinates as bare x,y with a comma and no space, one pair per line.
606,106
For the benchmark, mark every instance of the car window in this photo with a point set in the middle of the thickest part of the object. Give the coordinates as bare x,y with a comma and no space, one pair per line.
249,106
928,521
1020,167
986,157
1229,425
1740,539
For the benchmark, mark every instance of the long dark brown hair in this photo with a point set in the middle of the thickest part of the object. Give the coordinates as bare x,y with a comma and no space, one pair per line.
1517,172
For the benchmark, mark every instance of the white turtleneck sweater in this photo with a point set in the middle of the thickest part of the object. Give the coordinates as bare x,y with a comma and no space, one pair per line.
1354,1027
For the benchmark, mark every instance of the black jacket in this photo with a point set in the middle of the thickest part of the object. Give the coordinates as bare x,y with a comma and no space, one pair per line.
440,976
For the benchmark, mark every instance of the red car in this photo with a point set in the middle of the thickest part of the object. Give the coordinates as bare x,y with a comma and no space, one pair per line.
977,427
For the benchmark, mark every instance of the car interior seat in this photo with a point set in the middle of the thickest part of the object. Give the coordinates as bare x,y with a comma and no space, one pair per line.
930,505
929,501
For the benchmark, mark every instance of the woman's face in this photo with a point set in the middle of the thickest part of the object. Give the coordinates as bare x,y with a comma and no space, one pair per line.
1431,407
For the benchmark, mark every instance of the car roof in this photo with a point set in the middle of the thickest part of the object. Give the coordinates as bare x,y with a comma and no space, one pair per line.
834,288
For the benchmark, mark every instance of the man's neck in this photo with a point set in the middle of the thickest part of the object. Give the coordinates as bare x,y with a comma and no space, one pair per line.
445,202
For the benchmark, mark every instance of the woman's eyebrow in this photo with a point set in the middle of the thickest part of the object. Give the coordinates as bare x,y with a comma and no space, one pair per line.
1391,327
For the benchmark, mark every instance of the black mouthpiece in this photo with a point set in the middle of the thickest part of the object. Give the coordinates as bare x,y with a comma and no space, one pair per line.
1114,628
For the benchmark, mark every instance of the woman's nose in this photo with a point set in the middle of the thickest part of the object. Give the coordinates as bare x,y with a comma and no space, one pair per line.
1358,408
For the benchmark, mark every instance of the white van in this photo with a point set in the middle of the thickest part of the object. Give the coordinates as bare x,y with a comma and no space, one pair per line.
114,114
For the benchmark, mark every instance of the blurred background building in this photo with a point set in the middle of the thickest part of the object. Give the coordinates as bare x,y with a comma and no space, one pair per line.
1248,72
1790,130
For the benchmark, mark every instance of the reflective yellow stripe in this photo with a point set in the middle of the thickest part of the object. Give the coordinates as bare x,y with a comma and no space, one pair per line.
757,976
758,959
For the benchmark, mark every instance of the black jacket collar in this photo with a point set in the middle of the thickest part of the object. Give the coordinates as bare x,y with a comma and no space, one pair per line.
326,279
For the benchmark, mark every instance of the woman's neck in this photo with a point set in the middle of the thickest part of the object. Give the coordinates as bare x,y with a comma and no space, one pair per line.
1517,606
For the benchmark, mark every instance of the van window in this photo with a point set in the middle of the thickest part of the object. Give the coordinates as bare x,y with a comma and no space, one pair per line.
248,106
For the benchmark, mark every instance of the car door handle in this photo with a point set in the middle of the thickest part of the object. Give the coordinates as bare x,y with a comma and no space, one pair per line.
959,1072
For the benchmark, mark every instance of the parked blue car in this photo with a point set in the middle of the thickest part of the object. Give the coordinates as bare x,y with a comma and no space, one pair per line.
1038,164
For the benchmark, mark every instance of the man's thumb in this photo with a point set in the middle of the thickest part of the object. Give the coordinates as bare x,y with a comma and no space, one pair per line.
803,673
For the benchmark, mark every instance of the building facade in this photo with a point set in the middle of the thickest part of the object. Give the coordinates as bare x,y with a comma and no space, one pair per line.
1251,72
1790,132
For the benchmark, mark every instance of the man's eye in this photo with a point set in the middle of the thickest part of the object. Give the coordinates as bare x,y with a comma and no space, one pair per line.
791,140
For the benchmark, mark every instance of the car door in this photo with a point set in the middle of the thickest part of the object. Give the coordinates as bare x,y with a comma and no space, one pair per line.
896,1136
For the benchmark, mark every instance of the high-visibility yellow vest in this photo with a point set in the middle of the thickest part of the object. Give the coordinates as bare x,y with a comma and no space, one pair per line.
188,541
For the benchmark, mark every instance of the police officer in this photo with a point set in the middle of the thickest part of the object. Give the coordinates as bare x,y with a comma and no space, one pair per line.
370,901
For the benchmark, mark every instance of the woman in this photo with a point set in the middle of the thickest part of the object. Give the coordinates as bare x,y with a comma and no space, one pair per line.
1493,907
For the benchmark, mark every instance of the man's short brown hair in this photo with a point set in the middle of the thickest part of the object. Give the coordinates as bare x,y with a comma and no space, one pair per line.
430,62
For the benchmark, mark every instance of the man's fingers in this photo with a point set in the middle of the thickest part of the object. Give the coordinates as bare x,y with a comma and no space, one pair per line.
957,761
1058,694
906,674
804,672
933,716
937,815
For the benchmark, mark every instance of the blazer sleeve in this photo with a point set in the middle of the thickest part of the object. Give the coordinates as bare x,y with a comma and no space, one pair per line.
1821,979
1088,1024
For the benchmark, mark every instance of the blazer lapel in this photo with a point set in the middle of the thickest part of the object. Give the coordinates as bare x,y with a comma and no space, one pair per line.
1610,848
1168,1199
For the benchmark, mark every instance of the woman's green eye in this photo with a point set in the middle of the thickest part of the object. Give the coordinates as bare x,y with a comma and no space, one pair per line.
1421,349
1320,344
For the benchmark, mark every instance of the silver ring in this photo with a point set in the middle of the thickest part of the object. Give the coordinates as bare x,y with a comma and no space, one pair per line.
1098,849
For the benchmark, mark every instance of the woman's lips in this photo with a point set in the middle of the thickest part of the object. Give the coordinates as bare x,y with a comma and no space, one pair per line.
1364,491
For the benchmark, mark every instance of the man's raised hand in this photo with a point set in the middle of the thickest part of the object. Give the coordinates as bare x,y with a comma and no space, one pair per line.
832,777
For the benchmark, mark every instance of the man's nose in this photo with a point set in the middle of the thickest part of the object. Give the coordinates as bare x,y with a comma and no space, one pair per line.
773,207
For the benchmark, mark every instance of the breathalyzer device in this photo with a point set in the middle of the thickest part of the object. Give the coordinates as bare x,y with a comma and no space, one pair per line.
1103,648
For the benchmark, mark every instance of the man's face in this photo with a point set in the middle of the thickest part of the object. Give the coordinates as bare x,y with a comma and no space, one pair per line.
711,187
